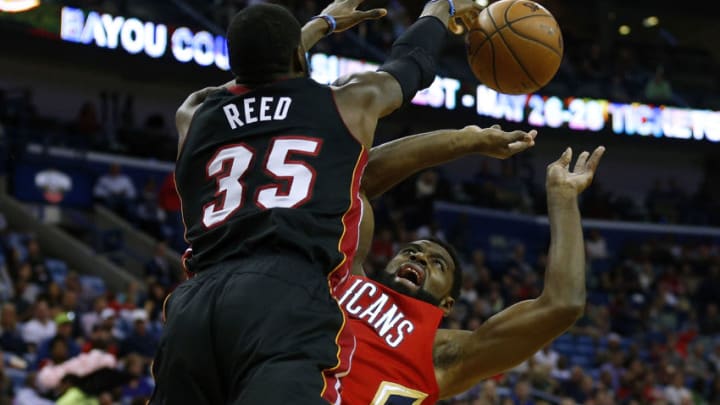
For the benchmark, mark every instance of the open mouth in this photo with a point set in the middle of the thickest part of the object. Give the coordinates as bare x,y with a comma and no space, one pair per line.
411,275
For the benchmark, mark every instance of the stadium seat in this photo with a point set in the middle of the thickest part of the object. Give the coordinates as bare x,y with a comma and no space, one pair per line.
582,361
58,270
18,242
17,377
92,285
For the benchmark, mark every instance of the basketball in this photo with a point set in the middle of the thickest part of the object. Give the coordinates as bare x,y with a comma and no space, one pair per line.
514,46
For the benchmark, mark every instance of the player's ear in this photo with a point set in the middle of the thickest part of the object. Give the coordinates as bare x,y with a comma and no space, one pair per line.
446,304
300,61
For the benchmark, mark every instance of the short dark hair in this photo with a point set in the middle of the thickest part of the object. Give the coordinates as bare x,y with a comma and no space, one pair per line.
261,40
457,274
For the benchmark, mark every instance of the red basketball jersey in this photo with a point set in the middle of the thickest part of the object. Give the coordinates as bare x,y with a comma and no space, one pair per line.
393,363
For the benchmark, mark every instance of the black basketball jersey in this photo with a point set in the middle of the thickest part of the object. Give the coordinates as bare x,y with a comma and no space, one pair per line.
272,170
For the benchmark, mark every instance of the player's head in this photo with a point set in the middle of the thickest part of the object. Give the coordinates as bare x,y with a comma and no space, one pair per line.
426,269
264,44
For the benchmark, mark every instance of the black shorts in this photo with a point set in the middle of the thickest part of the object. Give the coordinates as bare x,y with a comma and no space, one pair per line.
260,331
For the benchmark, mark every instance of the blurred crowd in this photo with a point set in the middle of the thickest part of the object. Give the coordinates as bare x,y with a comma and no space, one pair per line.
650,333
67,339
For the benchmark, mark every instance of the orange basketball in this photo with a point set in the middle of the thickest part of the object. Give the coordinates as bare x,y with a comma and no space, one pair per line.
514,46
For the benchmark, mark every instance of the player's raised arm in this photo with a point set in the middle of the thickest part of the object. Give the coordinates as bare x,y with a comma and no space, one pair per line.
462,358
409,68
393,162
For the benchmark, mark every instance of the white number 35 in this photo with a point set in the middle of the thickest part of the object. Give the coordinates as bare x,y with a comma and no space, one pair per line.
230,164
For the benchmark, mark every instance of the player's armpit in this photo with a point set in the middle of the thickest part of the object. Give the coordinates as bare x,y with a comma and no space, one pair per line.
394,161
364,98
464,358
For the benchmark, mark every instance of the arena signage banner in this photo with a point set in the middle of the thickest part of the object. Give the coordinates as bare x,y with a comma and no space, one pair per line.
579,114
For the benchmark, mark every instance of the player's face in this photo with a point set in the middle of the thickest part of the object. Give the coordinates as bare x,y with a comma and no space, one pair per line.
421,269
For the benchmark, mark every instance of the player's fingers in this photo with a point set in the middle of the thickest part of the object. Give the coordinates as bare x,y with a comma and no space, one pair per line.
496,126
456,27
518,136
594,160
373,14
565,158
519,146
580,164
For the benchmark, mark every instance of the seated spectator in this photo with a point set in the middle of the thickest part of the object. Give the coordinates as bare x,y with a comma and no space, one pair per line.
468,293
115,190
138,387
41,327
109,322
158,269
36,259
53,295
168,198
101,338
595,246
149,214
676,393
64,322
139,341
155,300
58,353
489,394
658,89
131,298
25,288
547,357
518,261
92,318
11,339
521,394
561,372
169,202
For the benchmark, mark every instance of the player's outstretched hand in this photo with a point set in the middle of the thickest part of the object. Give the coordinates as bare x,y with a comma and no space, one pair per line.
496,143
463,22
347,16
563,182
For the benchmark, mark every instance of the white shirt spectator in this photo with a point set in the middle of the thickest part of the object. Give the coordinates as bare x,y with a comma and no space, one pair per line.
596,247
110,185
35,331
547,357
88,321
677,395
